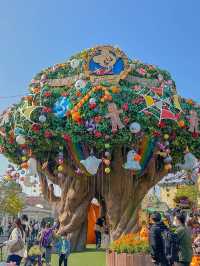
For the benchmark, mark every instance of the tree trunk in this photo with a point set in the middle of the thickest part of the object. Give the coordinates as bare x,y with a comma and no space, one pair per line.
121,194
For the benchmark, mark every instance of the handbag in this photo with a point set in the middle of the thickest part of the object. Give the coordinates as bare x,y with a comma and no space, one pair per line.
19,245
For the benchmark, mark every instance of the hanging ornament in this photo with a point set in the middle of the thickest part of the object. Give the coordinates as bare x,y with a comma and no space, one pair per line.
107,170
80,84
107,154
106,162
91,164
74,63
24,158
131,163
190,162
181,123
168,160
60,168
60,175
135,127
42,118
166,136
20,139
113,114
90,125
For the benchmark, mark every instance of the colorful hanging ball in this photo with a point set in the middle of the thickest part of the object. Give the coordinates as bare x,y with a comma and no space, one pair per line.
181,123
92,100
107,154
168,167
60,168
60,161
80,84
135,127
107,170
20,139
42,118
166,136
168,160
60,175
74,63
107,145
106,161
24,158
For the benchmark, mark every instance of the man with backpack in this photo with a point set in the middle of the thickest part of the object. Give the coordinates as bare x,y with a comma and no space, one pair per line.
46,241
163,243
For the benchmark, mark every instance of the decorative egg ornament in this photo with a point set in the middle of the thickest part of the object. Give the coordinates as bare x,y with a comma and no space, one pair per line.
20,140
80,84
42,118
135,127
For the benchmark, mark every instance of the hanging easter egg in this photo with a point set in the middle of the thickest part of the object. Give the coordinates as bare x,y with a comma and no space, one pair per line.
135,127
24,158
60,168
168,167
24,151
60,161
92,101
107,170
107,145
168,160
60,175
166,136
107,154
106,161
80,84
42,118
20,140
74,63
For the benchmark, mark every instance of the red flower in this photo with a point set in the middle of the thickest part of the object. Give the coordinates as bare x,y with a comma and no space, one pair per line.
125,106
47,94
98,134
195,135
46,110
156,133
92,105
97,119
162,124
66,137
48,134
126,120
36,127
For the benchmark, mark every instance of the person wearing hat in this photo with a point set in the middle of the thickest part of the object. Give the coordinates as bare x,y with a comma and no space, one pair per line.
156,241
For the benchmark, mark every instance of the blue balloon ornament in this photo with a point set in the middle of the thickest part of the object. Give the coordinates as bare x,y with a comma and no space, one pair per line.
61,107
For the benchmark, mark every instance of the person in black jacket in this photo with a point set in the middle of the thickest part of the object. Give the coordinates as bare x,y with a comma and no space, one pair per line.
156,241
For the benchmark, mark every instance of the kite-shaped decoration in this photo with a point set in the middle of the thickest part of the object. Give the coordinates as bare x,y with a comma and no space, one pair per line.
91,164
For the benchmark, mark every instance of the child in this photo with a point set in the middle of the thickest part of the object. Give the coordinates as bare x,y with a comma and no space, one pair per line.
34,255
63,248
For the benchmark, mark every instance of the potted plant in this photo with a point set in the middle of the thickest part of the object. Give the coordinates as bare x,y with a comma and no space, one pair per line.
129,250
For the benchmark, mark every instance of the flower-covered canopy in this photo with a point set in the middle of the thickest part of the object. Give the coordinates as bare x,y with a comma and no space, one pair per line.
93,102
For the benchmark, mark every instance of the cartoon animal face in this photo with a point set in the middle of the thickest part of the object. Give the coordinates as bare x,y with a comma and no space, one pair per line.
105,58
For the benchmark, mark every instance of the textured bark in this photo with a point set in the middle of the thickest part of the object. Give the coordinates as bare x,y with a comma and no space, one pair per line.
120,194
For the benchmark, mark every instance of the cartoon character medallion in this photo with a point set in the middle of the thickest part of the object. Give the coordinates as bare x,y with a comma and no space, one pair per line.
107,62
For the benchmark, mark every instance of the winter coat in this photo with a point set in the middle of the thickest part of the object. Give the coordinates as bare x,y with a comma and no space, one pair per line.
185,244
156,242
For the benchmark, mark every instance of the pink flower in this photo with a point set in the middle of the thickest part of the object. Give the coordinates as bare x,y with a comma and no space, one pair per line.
142,71
125,106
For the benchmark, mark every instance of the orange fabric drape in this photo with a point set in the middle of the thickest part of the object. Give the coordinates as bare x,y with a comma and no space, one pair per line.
93,214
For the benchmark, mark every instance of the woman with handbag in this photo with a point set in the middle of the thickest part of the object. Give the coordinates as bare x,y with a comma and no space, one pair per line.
16,243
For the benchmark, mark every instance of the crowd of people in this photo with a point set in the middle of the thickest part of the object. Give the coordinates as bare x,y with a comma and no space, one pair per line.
174,239
34,243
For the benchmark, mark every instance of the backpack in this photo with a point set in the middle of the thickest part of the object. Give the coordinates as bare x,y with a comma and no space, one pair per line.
47,238
170,246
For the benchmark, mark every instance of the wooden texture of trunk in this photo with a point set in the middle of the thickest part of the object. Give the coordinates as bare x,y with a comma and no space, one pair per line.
121,193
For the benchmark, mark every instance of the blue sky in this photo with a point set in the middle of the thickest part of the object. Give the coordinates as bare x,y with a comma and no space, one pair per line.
39,33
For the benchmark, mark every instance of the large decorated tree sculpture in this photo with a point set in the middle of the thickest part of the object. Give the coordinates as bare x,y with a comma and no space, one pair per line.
100,125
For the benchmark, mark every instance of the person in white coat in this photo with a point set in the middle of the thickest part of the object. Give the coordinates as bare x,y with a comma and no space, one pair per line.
16,243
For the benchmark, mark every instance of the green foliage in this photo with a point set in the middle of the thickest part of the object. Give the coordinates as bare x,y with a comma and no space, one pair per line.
11,201
43,96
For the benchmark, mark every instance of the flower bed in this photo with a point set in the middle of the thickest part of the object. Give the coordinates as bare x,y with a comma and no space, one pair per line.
129,250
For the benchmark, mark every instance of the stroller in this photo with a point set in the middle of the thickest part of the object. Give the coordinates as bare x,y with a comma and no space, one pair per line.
34,255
